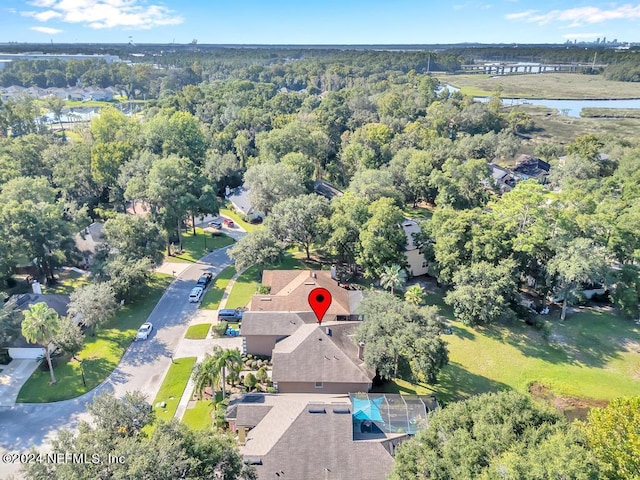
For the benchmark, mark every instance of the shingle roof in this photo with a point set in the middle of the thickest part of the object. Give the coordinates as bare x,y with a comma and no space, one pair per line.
274,323
239,197
290,291
531,166
251,414
310,355
325,189
321,446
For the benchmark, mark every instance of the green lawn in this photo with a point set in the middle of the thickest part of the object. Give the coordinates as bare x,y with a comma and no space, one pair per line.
198,417
418,213
229,212
173,387
101,353
593,354
213,295
245,285
194,247
68,281
198,332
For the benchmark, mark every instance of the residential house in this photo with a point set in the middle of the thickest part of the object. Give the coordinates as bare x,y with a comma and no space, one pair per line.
322,359
531,167
316,437
289,292
418,265
262,330
325,189
88,241
19,347
239,198
501,178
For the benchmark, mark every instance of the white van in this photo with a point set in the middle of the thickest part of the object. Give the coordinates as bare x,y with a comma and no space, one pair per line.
196,294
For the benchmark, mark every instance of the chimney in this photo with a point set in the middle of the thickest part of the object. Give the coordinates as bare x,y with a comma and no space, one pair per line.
361,350
328,331
314,275
242,435
334,275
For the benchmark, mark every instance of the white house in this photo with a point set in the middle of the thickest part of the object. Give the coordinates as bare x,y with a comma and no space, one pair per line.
417,263
239,198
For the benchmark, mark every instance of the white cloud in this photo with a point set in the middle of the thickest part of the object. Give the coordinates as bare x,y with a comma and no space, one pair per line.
582,36
576,17
47,30
105,13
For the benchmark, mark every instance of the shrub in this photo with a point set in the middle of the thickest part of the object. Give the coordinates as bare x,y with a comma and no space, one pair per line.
219,329
263,289
262,375
250,381
271,390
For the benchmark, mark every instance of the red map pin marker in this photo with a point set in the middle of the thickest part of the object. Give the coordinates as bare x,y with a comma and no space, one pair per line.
319,300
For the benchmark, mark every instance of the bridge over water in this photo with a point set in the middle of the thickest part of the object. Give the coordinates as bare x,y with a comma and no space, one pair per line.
519,68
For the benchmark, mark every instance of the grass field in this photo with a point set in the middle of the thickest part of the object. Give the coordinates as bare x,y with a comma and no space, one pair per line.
592,112
68,281
594,354
560,129
101,353
213,295
198,417
197,246
198,331
548,85
173,387
245,285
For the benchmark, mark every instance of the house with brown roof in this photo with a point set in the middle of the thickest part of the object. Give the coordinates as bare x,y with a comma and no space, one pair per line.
322,436
311,361
262,330
289,292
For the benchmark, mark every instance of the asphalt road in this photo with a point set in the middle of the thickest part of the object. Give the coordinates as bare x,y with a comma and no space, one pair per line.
143,366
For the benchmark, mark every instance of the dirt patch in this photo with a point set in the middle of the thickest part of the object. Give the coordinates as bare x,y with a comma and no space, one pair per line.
571,407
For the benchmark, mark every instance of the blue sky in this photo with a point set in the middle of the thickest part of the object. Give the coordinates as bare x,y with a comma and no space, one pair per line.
327,22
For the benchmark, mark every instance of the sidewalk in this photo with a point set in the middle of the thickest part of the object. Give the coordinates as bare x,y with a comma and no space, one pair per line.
198,348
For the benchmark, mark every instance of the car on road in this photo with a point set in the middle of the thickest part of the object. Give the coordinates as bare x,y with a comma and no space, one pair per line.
230,315
205,279
144,331
196,294
216,224
227,222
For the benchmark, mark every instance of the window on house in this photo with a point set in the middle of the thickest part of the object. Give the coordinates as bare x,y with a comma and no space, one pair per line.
319,385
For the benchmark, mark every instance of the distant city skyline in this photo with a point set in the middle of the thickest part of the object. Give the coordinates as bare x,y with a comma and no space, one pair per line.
331,22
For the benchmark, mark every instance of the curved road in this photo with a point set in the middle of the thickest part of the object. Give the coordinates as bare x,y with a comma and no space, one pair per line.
142,367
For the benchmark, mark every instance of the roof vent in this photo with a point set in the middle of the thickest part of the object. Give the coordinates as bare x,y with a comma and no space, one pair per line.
341,410
309,283
328,331
253,460
265,299
316,409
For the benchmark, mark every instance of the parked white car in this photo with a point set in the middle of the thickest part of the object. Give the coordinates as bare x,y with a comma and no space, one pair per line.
144,331
196,294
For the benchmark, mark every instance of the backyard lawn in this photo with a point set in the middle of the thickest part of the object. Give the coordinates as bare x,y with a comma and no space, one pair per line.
101,354
198,331
196,247
245,285
173,387
67,282
594,354
213,295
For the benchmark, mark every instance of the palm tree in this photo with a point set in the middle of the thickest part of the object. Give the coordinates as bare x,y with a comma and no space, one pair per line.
40,325
213,369
205,375
414,294
393,277
227,358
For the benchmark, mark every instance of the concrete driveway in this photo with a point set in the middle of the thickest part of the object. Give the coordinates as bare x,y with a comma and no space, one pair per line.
13,376
142,367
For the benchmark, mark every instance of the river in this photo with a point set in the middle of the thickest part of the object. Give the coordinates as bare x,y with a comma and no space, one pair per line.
570,108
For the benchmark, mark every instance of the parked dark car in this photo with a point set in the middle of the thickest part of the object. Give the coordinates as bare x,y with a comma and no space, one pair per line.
205,279
229,315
